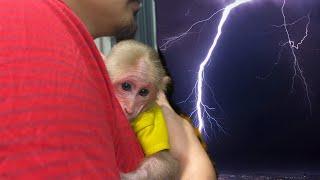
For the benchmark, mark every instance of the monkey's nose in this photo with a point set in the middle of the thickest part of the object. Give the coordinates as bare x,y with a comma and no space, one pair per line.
129,114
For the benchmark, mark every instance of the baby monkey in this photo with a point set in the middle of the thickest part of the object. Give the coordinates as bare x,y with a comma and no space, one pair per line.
137,76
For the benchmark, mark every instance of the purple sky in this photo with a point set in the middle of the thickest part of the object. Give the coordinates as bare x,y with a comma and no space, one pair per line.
268,127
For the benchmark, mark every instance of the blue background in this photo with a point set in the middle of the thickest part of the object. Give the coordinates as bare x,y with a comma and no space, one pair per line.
267,126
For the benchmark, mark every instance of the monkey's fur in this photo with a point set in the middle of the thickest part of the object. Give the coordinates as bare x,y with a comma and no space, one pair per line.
124,56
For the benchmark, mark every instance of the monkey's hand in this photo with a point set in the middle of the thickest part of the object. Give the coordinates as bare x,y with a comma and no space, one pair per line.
158,166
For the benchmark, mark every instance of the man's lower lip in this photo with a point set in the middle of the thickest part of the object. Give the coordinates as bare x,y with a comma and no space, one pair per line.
136,6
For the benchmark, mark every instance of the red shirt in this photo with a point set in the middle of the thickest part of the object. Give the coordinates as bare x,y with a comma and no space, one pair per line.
58,115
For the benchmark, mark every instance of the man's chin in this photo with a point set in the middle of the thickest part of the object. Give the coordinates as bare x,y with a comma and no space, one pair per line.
127,32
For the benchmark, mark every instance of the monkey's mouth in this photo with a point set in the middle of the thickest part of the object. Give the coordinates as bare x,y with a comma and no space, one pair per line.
130,117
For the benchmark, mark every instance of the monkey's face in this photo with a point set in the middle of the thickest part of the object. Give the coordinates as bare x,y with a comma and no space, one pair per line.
134,94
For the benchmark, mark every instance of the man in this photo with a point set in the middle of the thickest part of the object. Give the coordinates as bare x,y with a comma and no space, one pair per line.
59,118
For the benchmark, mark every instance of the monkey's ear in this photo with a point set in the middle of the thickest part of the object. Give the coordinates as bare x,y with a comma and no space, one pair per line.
166,84
166,81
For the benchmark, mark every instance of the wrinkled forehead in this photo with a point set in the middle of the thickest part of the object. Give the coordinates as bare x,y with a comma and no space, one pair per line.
140,71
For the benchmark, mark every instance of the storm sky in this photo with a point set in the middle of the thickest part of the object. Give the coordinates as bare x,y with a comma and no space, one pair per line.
268,124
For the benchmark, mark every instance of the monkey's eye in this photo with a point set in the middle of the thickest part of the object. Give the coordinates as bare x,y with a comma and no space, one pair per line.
126,86
144,92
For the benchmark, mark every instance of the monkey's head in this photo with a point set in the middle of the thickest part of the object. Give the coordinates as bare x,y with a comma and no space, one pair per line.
137,76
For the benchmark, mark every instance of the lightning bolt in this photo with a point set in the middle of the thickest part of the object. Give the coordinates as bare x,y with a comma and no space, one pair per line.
199,104
298,73
201,108
171,40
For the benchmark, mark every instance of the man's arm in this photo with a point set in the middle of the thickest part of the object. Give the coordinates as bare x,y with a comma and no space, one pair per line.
159,166
185,147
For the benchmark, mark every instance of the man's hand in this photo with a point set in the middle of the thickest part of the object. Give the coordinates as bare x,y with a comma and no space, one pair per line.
194,161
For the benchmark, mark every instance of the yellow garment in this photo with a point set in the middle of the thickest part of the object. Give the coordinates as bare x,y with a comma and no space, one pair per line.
151,130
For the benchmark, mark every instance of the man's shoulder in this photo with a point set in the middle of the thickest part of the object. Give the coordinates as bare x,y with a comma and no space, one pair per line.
47,27
42,21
